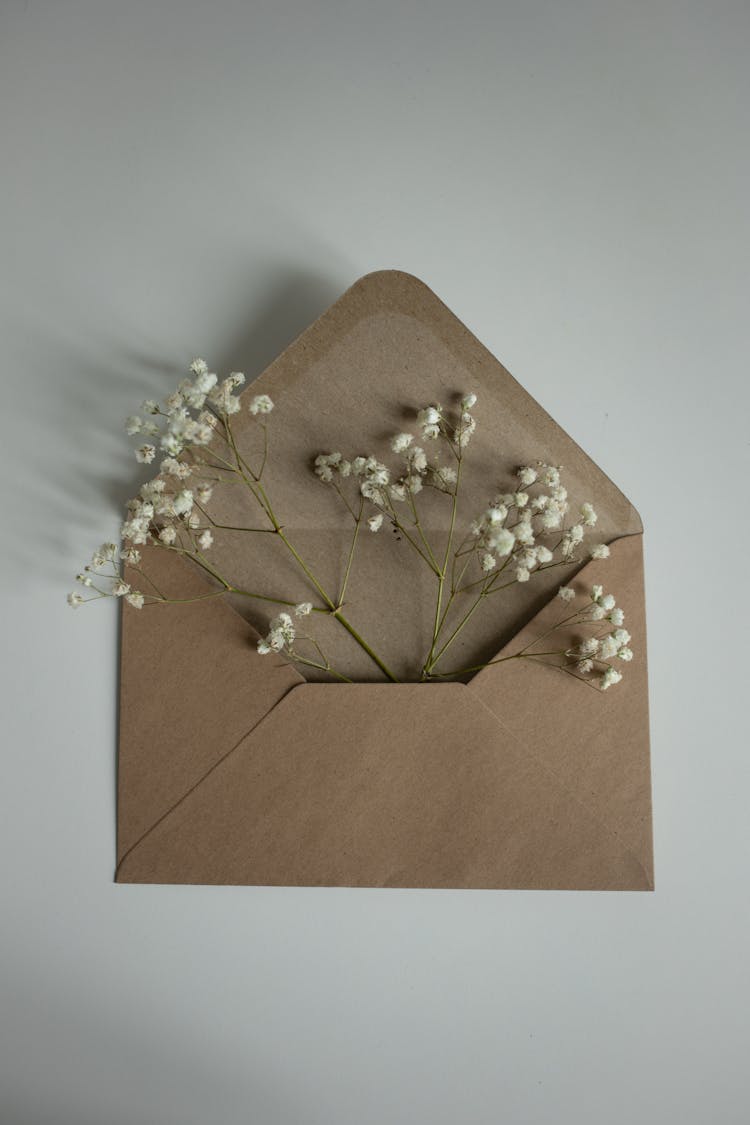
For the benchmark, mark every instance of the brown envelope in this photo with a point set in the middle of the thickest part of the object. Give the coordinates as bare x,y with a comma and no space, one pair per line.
233,768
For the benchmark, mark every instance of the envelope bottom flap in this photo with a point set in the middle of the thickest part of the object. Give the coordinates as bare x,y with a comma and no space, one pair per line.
382,785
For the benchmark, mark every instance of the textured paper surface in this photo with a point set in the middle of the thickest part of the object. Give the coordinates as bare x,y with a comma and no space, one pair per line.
234,769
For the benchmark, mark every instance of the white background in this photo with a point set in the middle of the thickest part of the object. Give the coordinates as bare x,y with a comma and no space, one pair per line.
183,177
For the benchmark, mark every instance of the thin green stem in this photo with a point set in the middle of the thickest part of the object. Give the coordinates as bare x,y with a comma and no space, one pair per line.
364,645
350,559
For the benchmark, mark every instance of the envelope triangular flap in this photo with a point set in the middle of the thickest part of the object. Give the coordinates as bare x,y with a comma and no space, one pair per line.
386,348
191,687
596,744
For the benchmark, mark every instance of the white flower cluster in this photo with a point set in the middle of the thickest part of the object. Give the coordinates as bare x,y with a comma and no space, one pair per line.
594,652
282,630
434,423
382,487
281,634
102,577
511,527
168,506
201,395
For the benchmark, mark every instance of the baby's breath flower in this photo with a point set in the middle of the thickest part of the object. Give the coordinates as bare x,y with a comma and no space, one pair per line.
468,401
84,579
133,425
487,562
549,475
131,556
303,609
203,493
617,616
198,366
150,406
375,522
145,454
135,530
622,636
174,468
401,442
588,647
222,398
135,598
501,541
524,532
325,465
544,555
608,647
205,540
522,574
585,666
261,404
442,477
463,431
600,551
520,499
75,599
625,653
607,602
588,515
610,677
416,459
429,421
551,516
183,502
596,593
171,444
526,476
566,593
281,633
120,588
168,534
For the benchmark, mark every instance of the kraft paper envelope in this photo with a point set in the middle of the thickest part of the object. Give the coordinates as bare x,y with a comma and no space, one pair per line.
233,768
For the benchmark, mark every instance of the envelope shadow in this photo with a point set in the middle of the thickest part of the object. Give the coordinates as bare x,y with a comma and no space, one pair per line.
294,300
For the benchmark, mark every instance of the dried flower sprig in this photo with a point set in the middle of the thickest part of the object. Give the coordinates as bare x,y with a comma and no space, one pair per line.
517,536
591,657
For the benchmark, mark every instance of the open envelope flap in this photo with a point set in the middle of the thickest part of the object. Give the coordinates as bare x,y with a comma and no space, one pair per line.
403,785
595,743
191,686
358,375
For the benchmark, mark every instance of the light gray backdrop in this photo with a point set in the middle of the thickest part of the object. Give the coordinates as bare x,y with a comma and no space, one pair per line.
179,177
